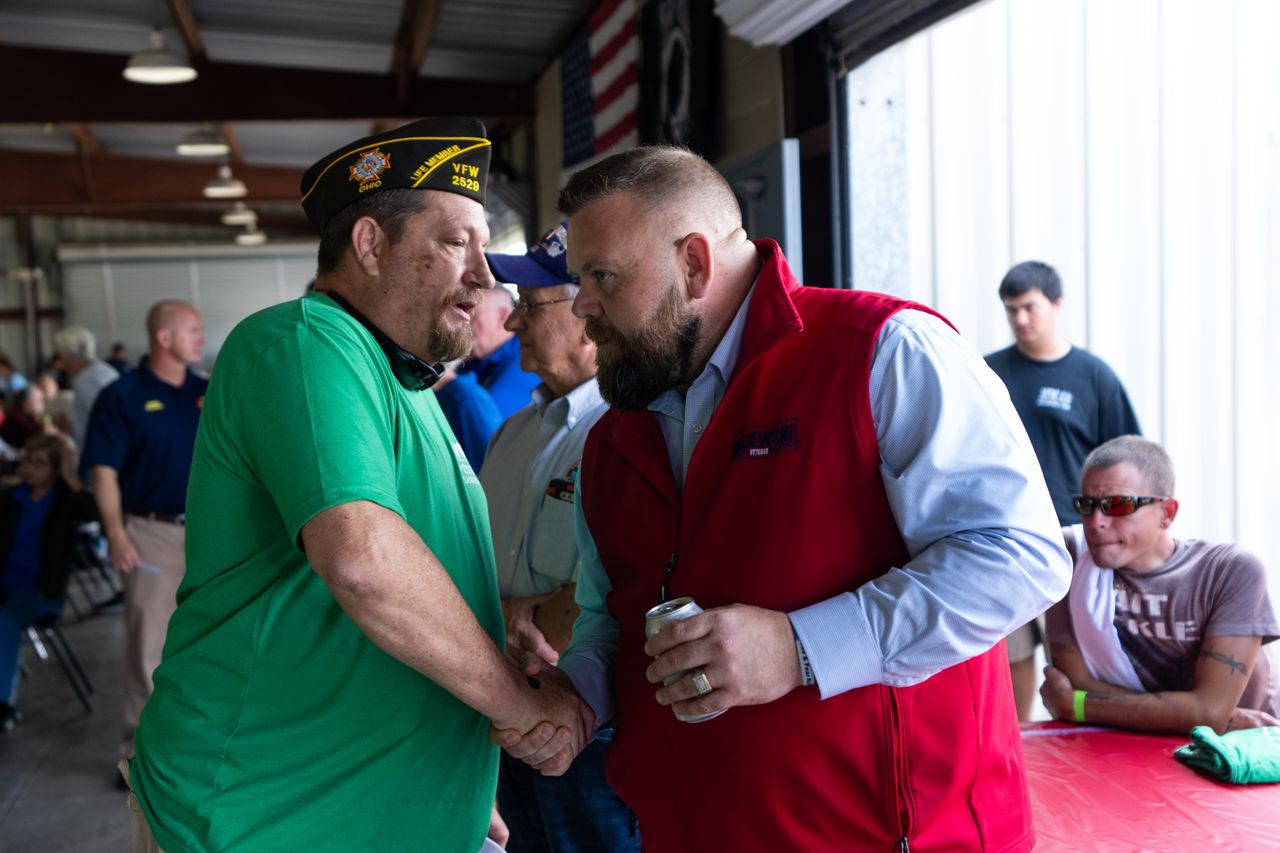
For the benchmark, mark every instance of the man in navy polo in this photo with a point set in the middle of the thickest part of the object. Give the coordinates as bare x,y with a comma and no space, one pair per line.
138,448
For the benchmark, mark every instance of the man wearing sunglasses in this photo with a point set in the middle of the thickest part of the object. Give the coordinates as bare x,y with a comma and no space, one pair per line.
1156,633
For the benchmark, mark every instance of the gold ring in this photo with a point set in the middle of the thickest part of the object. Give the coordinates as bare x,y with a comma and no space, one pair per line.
701,683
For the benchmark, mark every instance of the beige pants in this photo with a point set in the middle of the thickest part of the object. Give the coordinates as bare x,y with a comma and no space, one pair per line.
143,840
149,600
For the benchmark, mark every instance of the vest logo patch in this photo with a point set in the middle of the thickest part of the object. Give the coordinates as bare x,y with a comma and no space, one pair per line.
153,406
1055,398
778,437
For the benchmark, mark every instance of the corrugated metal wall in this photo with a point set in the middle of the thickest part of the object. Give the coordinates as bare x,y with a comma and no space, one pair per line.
1136,147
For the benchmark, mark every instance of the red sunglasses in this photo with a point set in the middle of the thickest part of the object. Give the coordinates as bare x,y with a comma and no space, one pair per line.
1113,505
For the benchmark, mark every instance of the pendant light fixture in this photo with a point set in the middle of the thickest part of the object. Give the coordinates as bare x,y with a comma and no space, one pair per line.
225,186
251,236
158,65
240,214
204,141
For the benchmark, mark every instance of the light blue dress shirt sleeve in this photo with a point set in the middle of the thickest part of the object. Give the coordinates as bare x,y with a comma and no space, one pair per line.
986,552
588,661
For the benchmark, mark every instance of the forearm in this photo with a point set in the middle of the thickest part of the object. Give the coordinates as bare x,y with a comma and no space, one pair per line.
427,626
106,491
1221,673
1175,712
963,594
589,659
395,590
1069,660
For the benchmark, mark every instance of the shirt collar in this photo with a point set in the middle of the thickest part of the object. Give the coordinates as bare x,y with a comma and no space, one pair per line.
570,408
723,359
144,365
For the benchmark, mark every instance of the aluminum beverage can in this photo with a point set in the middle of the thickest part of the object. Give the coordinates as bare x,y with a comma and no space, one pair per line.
675,610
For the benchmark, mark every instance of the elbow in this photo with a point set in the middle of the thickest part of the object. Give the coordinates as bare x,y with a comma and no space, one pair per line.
1058,573
350,579
1216,715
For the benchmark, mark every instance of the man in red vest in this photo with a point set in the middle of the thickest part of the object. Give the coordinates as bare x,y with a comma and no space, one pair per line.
841,483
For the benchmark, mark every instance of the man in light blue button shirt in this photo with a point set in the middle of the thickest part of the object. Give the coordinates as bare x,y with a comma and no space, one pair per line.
529,479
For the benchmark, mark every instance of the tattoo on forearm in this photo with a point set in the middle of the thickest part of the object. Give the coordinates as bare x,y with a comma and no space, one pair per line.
1235,665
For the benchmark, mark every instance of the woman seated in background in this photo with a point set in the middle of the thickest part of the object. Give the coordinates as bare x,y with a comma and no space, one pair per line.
38,521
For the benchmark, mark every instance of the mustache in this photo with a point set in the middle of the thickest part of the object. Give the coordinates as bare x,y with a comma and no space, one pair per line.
599,333
473,297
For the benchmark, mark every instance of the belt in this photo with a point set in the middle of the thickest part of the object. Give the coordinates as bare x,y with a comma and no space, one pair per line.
166,517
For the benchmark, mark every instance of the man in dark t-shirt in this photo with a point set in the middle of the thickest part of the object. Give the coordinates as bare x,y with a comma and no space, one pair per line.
1069,401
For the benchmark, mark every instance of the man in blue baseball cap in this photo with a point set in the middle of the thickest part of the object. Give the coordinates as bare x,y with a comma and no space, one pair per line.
529,479
494,361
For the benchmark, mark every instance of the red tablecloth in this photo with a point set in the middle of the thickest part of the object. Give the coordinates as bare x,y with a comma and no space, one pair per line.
1108,790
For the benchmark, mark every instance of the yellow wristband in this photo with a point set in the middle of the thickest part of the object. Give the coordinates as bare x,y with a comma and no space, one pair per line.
1079,706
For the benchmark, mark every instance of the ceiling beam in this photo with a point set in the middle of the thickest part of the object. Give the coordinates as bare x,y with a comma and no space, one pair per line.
87,145
187,26
85,139
37,182
68,86
236,154
417,24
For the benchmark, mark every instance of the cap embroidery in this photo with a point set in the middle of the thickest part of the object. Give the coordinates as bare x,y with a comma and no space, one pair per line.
369,166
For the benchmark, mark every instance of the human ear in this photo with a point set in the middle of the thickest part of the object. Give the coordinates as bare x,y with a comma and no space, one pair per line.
366,244
697,262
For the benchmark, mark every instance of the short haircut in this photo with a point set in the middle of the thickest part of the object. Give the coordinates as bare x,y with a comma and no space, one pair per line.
1149,458
658,176
391,209
162,314
77,341
1031,275
54,445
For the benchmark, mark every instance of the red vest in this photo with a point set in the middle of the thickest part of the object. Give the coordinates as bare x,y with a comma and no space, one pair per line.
783,507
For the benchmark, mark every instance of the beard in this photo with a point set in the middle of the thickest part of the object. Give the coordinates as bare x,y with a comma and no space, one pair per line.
634,370
447,342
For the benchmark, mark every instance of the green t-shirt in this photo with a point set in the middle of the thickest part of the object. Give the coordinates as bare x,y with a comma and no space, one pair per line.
275,723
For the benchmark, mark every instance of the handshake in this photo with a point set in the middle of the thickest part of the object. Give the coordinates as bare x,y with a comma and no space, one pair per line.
553,725
727,656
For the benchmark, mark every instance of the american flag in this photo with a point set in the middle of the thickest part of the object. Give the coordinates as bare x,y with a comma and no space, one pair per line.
599,80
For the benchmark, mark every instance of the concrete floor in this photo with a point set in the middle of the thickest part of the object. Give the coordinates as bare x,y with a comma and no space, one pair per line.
57,769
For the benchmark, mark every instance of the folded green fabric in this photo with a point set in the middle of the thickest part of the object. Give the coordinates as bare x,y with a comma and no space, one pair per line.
1243,757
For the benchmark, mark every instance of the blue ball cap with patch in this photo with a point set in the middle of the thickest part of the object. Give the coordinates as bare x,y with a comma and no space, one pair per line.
544,265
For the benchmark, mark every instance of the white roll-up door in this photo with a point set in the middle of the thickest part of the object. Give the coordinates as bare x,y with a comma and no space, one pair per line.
110,290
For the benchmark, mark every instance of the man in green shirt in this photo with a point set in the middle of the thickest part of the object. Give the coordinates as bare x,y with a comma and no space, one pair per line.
334,663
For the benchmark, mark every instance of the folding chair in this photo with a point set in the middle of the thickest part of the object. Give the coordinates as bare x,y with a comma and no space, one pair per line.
46,635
